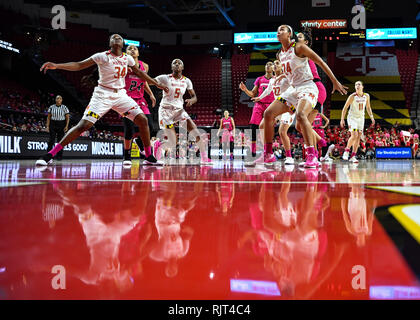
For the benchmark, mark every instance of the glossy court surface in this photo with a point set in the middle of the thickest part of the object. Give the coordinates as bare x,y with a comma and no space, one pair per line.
103,231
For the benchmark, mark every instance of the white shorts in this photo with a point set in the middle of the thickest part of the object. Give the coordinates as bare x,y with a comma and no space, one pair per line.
169,115
286,118
307,91
104,100
356,124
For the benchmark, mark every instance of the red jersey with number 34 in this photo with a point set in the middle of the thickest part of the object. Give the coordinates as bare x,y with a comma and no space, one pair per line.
177,87
134,85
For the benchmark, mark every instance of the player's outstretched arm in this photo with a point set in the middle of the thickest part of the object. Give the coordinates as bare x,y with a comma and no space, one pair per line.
304,50
144,76
249,93
69,66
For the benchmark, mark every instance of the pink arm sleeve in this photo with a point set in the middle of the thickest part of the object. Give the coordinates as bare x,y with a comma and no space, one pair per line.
314,70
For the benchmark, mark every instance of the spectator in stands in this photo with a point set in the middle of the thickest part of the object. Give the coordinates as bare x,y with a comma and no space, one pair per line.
57,123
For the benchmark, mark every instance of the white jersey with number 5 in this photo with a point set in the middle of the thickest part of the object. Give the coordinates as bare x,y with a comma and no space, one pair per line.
296,69
112,69
177,88
357,108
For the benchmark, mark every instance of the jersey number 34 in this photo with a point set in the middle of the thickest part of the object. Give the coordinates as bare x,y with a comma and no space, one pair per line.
120,73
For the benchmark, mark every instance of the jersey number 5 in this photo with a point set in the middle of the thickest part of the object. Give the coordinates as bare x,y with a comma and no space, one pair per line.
177,93
120,73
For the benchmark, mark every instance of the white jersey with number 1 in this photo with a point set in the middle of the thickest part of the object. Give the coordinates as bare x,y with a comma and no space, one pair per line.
357,108
177,88
112,69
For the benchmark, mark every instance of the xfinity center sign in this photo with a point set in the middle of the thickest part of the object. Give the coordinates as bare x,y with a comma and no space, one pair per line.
32,146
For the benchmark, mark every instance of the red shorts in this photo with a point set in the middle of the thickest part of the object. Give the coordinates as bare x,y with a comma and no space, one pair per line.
258,112
142,103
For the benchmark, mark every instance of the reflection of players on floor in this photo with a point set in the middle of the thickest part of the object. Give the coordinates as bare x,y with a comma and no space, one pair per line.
104,230
173,235
225,195
358,214
288,235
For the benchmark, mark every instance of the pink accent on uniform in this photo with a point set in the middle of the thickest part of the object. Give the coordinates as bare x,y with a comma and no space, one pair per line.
289,153
310,150
147,151
353,154
135,88
56,149
259,107
227,130
322,95
322,142
262,84
269,148
347,150
317,123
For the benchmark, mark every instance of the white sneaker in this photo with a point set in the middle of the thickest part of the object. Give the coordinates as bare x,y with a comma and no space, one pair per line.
346,156
354,160
301,164
328,160
127,163
289,161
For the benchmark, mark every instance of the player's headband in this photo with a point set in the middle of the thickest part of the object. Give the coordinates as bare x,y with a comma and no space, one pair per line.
173,61
290,28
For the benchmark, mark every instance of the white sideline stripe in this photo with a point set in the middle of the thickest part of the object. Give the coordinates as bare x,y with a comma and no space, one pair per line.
210,181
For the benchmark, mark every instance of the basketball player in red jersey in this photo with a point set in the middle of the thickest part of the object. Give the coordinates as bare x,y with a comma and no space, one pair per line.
135,88
260,84
109,94
228,126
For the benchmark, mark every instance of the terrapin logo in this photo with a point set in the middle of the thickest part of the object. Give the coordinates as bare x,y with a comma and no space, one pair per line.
9,145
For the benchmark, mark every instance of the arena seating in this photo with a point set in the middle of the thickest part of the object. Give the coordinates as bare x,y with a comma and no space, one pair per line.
240,64
407,63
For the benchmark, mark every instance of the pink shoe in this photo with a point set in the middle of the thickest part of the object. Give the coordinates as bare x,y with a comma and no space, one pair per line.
311,175
205,160
269,158
323,143
311,161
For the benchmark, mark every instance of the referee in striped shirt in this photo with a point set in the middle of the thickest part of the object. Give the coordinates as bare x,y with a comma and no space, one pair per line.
57,123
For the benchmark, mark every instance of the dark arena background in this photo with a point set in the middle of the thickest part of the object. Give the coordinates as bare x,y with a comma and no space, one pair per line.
198,203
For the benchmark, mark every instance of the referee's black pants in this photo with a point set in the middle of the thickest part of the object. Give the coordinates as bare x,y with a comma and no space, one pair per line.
56,132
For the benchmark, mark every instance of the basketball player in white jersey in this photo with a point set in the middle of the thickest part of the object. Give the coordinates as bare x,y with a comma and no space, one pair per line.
172,110
358,102
109,94
302,94
286,119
